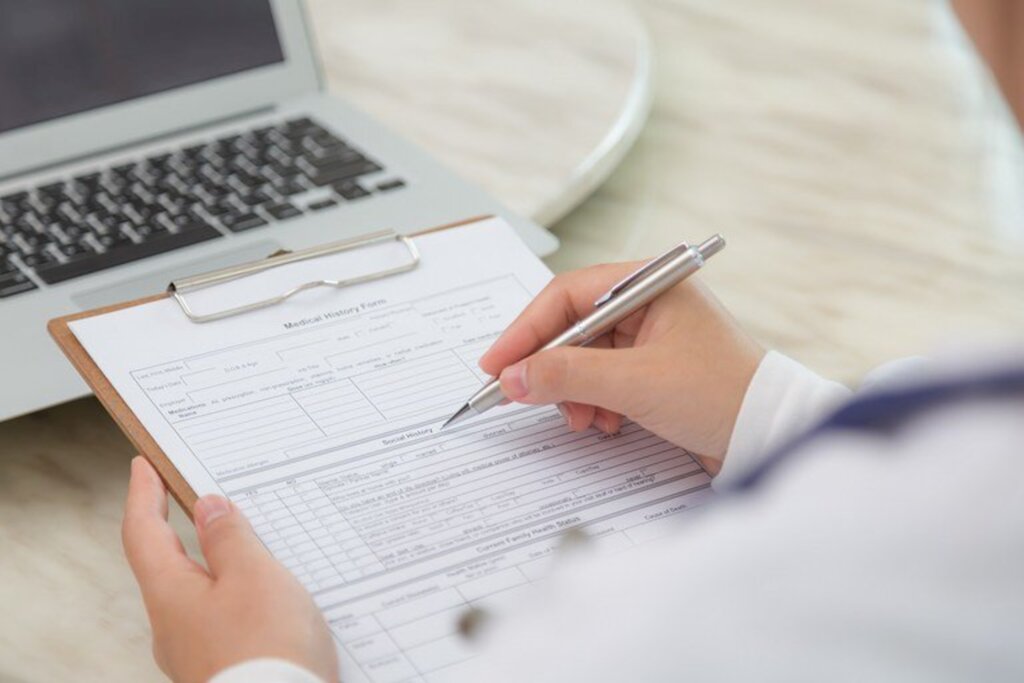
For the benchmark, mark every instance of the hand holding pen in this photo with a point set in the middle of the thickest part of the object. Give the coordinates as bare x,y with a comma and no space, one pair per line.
679,365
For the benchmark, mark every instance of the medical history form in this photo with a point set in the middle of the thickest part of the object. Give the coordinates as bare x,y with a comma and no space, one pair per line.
320,417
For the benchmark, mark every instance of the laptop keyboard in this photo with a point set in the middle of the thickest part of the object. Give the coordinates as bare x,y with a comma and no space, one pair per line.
63,230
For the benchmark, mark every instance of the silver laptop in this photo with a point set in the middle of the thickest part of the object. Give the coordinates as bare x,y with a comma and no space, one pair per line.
144,141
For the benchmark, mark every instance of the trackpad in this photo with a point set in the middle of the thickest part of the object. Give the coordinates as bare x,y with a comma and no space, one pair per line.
156,281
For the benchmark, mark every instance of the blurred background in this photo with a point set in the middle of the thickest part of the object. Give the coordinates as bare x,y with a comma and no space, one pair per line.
856,154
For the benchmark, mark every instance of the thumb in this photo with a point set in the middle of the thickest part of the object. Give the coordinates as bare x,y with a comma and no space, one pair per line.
599,377
226,537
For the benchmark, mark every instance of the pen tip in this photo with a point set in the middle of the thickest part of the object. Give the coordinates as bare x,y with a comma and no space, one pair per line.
456,417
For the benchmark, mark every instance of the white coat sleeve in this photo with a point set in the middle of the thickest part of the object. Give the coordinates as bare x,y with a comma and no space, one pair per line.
784,399
266,671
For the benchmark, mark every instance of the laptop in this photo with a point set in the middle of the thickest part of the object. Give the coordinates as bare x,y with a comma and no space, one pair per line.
146,141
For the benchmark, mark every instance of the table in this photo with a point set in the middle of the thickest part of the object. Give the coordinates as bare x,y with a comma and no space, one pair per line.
853,155
535,101
844,148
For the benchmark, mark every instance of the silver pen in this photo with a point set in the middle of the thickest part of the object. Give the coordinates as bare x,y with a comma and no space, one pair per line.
625,298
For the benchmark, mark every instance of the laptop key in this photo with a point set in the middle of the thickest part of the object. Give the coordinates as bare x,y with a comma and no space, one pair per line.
248,178
289,188
283,211
324,204
242,221
256,198
289,170
332,174
299,126
351,191
14,283
217,210
339,152
335,158
390,185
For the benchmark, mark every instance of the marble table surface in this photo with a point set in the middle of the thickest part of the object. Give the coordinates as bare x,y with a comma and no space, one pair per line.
850,151
535,101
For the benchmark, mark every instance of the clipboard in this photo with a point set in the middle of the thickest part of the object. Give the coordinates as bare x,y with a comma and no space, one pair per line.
115,405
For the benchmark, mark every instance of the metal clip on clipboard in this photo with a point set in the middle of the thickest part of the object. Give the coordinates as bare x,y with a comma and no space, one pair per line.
179,288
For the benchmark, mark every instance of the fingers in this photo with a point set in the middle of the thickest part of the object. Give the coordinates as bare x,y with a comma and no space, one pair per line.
595,377
153,549
578,416
608,421
566,299
229,544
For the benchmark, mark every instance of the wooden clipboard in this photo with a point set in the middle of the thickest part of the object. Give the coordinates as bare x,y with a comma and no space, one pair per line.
116,406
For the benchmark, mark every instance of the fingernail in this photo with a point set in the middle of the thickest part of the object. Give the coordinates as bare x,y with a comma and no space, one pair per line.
136,467
601,422
210,508
513,381
565,413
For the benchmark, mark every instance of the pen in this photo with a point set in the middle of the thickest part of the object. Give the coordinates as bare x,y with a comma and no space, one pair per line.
625,298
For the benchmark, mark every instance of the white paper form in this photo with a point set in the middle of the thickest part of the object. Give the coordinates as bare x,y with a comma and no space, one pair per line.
319,418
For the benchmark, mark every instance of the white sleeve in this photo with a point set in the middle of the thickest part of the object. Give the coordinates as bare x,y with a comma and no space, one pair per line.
784,398
266,671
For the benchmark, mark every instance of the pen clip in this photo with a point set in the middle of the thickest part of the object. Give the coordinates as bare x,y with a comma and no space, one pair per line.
631,279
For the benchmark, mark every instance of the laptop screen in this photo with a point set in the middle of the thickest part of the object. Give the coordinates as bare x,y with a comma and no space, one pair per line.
61,57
